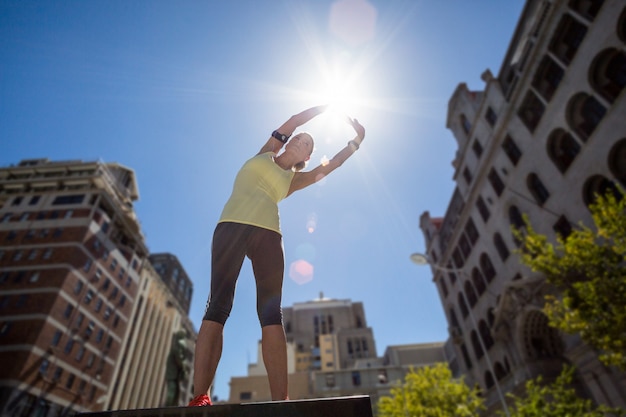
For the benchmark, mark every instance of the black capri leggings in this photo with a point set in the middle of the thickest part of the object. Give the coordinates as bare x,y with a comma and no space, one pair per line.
232,242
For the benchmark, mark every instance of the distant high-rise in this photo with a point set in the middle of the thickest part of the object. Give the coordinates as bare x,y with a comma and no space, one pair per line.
544,136
332,353
73,267
174,276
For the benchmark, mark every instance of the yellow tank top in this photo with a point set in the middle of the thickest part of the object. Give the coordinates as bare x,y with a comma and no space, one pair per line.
259,185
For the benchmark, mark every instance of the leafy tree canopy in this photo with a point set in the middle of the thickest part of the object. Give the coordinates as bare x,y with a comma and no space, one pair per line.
557,399
589,269
431,392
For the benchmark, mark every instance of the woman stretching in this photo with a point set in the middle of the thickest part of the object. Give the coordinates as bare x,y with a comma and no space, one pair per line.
249,226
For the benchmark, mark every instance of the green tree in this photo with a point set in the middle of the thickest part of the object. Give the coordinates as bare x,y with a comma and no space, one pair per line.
431,392
557,399
588,268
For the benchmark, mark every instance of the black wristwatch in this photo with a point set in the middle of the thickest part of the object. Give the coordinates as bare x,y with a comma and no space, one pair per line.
280,136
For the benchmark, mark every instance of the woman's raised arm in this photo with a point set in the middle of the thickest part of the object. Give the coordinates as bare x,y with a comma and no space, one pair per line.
304,179
280,136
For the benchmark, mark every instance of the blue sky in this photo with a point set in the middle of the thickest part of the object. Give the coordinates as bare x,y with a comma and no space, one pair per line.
184,92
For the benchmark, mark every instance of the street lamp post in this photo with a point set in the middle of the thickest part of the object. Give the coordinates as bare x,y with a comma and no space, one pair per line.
422,259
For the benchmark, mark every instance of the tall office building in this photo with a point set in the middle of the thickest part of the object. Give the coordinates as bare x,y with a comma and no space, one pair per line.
545,135
76,290
71,252
157,364
332,353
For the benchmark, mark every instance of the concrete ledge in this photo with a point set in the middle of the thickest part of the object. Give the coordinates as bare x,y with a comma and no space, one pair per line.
355,406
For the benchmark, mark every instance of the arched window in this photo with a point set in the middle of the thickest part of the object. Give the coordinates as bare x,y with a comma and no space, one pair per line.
487,267
485,334
479,281
478,349
540,339
503,251
598,185
562,149
517,223
500,371
617,161
607,73
470,293
489,382
584,113
453,320
462,305
537,189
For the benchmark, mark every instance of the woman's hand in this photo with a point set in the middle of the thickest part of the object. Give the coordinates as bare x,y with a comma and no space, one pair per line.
358,128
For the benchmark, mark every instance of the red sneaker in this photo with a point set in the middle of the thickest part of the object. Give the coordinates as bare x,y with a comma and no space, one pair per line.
201,400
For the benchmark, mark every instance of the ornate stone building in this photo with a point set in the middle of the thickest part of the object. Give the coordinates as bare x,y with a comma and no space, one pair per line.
541,138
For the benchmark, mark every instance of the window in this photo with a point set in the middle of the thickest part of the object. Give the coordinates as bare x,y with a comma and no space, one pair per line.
56,338
470,293
68,311
531,110
70,381
517,221
547,78
356,378
462,305
479,281
471,231
563,227
467,175
586,8
89,296
17,201
477,148
491,117
495,181
537,189
90,328
68,199
503,251
57,374
47,254
617,161
584,113
511,150
562,149
68,346
34,200
245,395
568,36
478,349
43,368
598,185
482,209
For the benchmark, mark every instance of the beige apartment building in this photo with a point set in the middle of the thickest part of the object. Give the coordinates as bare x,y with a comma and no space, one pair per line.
332,353
543,136
77,293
